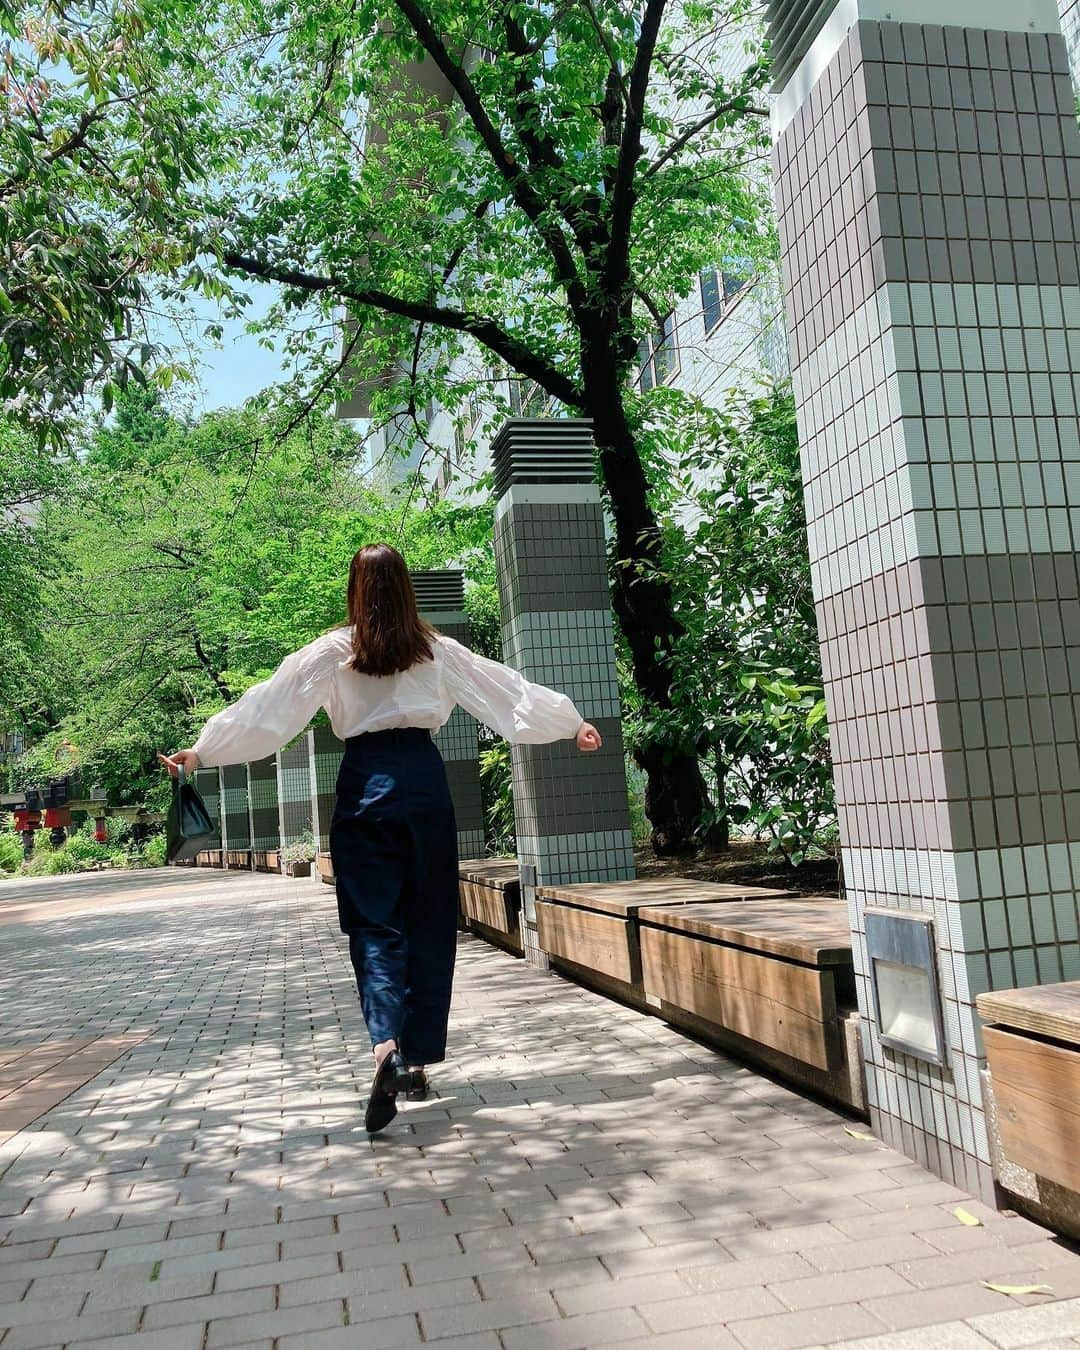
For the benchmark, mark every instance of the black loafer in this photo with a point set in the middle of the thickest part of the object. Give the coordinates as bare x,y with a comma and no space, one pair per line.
391,1077
418,1088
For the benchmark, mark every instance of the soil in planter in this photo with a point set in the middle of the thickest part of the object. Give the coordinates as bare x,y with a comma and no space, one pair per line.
751,863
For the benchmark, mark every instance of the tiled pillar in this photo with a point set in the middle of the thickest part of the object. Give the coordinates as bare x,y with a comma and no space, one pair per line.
440,597
263,804
294,791
924,165
208,786
235,816
571,810
326,753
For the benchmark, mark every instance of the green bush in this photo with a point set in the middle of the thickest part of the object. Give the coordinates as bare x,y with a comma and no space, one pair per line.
153,854
10,851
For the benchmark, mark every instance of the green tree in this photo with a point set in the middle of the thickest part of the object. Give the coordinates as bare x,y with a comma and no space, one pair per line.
749,662
93,149
188,559
538,181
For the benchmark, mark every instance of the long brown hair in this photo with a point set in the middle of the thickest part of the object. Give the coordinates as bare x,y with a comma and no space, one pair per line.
388,634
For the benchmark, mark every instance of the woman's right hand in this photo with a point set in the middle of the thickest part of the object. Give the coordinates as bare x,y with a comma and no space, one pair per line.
187,760
588,738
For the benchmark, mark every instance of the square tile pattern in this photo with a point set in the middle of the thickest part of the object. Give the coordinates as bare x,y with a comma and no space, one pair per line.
235,816
208,785
263,803
571,811
927,195
294,789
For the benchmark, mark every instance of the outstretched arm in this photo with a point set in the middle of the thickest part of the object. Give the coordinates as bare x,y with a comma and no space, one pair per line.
263,718
503,699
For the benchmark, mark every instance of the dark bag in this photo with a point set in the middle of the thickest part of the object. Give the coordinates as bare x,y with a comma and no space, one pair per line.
188,826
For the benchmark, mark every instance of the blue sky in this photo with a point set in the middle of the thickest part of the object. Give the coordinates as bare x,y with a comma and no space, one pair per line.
237,368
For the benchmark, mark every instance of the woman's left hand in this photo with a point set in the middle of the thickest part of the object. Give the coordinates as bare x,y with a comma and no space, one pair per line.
588,738
187,760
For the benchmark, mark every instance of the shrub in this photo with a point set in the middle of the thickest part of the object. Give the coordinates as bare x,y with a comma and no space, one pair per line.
10,851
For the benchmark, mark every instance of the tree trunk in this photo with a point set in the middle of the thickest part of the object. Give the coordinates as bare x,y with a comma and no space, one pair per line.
675,794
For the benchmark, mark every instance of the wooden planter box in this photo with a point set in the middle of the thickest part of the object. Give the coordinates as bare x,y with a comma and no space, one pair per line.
768,971
238,860
490,898
325,866
592,926
1033,1054
301,867
273,860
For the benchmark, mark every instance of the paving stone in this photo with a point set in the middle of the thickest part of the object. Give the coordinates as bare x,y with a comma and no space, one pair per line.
702,1310
386,1334
493,1315
39,1334
924,1307
671,1200
615,1326
214,1306
179,1338
822,1290
809,1327
946,1336
280,1322
1029,1326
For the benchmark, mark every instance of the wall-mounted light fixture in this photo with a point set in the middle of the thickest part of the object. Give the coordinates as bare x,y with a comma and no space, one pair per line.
903,974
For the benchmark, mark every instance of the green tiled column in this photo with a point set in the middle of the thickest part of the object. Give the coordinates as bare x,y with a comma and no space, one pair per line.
208,785
571,810
263,804
235,814
294,791
325,752
440,596
927,168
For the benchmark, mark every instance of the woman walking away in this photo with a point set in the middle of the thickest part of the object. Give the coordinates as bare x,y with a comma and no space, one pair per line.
388,680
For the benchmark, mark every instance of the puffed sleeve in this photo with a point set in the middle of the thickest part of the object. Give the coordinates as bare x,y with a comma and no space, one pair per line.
503,699
270,713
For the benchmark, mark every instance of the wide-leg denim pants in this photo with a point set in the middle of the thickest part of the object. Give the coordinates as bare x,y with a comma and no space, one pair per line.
393,841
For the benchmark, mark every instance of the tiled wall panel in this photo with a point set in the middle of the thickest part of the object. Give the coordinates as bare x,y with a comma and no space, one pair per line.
458,740
326,754
235,816
571,810
263,802
208,785
294,790
927,193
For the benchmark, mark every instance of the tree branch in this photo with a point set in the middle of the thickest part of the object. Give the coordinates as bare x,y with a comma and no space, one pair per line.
681,141
66,147
486,331
526,196
623,195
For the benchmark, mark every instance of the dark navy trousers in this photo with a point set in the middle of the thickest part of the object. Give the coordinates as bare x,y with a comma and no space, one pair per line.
393,840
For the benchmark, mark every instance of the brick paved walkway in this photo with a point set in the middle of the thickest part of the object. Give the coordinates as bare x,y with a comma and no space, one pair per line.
587,1177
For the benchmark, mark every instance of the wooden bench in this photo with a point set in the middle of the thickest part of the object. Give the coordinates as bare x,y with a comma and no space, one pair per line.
760,971
490,895
775,972
1033,1093
591,926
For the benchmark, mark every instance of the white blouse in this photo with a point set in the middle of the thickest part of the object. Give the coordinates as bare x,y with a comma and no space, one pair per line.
320,676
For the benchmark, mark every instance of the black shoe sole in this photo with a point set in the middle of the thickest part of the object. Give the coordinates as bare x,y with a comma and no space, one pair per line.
382,1103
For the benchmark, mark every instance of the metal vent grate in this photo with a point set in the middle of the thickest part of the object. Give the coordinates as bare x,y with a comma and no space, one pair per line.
792,26
439,590
543,450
